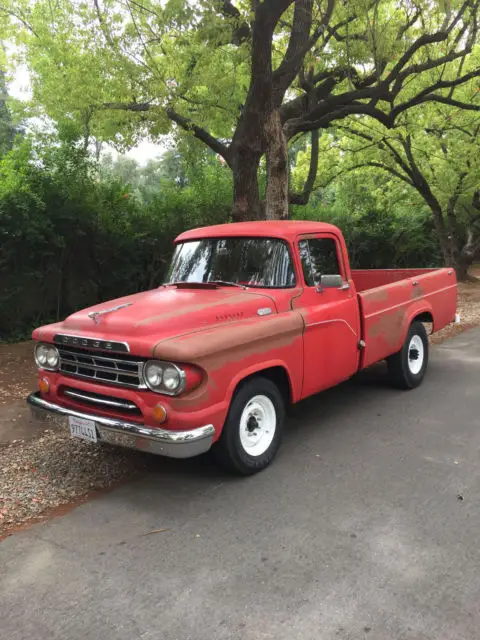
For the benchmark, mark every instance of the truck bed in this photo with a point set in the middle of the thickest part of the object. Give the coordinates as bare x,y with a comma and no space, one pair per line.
390,299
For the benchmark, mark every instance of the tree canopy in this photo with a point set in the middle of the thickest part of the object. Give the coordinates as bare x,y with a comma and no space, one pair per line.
245,78
436,154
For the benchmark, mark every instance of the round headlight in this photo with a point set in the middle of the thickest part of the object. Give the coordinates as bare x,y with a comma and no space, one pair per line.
47,356
153,375
53,358
41,354
171,379
164,377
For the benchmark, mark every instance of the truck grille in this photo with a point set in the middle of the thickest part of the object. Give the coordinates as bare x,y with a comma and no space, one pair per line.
123,370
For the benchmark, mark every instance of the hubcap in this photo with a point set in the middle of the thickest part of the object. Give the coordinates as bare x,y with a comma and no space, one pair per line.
258,423
416,355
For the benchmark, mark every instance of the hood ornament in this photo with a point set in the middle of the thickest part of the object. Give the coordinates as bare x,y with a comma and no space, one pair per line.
96,316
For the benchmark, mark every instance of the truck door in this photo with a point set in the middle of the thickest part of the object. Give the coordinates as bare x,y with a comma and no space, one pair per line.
331,314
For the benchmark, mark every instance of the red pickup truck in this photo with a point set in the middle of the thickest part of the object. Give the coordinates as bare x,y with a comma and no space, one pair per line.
253,317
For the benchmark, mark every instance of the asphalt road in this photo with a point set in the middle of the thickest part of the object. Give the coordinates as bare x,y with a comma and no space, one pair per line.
366,527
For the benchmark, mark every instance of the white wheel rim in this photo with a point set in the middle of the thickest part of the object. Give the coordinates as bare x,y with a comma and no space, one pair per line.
416,355
258,424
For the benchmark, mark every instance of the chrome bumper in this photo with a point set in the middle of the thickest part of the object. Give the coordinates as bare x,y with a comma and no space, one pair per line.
173,444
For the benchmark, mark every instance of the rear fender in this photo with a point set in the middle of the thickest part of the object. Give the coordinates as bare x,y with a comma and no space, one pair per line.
415,310
388,331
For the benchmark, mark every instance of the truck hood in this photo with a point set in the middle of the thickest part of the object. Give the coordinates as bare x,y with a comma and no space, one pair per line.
144,319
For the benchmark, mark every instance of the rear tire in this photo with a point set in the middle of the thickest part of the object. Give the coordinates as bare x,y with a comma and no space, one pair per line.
253,429
408,366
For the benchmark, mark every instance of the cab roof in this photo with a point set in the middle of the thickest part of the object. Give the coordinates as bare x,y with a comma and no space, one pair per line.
284,229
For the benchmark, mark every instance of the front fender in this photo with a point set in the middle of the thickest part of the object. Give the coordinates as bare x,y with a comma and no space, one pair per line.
234,351
258,368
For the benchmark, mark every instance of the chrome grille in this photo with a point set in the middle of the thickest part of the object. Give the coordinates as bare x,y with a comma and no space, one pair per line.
123,370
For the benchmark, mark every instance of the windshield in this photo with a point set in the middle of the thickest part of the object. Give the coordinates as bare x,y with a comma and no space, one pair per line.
253,262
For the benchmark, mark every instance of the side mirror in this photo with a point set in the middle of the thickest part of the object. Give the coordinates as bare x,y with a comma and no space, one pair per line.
331,282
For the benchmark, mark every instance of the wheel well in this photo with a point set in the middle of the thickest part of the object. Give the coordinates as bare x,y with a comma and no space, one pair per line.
426,316
279,376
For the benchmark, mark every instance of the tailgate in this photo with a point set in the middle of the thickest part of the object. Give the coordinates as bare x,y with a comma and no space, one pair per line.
388,311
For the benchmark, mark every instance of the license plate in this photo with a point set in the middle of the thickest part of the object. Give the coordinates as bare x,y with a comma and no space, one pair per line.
82,428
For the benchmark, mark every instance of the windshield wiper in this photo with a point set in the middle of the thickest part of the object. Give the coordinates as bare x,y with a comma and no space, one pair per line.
227,283
209,283
186,283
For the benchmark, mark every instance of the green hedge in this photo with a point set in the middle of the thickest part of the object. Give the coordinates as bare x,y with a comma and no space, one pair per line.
69,240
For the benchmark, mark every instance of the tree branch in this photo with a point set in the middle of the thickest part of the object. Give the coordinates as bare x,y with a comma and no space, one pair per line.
103,26
377,165
409,23
425,66
242,30
142,41
381,144
202,134
426,39
427,96
185,123
322,117
128,106
390,170
21,19
143,8
300,43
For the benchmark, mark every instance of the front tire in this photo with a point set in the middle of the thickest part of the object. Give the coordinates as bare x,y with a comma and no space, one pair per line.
408,366
253,429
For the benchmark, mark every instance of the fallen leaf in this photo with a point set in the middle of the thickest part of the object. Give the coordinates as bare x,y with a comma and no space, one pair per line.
155,531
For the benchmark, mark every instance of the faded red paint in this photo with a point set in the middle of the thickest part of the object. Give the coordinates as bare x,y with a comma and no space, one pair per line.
389,309
314,336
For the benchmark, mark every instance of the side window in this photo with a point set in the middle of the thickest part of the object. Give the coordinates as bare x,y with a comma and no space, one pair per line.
319,258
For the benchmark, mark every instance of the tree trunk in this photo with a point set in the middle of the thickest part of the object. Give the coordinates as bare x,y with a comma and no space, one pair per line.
456,257
461,268
452,256
467,255
447,237
276,206
247,204
438,221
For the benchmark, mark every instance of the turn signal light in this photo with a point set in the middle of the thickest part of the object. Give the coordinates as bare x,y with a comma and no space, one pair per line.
160,413
44,385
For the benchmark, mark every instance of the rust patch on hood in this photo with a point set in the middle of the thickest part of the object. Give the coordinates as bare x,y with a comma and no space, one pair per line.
223,351
250,336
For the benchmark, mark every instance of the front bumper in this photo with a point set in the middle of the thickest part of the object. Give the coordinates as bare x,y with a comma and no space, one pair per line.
173,444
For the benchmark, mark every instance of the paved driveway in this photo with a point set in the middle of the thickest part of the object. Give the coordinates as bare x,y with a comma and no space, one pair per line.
366,526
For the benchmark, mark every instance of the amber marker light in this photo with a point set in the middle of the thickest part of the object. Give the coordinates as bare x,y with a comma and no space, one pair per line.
160,413
44,385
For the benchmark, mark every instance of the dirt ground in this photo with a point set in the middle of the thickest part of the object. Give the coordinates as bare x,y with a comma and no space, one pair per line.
41,467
